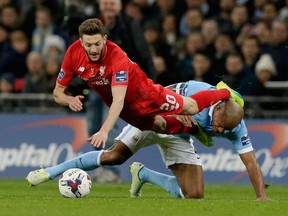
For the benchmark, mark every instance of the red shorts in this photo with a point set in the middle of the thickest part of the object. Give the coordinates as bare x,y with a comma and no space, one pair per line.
160,101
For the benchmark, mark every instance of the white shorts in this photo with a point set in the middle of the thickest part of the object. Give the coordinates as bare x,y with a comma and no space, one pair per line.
173,149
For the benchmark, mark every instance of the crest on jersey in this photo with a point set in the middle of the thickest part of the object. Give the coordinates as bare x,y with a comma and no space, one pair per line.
92,74
245,140
102,70
121,76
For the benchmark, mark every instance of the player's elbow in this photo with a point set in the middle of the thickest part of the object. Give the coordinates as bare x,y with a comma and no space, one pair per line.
56,97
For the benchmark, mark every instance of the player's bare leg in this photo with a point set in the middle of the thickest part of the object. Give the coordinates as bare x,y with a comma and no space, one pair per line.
116,154
190,179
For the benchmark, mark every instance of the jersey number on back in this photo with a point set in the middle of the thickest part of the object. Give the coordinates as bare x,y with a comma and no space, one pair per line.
171,103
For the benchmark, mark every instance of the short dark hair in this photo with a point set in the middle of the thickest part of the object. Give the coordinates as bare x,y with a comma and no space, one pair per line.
91,27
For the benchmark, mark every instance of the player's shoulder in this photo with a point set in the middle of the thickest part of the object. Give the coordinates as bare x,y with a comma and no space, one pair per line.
75,52
76,46
114,49
116,57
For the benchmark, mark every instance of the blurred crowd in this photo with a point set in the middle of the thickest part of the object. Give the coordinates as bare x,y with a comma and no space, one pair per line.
241,42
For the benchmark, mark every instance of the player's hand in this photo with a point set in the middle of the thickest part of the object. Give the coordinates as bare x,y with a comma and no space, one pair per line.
99,139
186,120
75,103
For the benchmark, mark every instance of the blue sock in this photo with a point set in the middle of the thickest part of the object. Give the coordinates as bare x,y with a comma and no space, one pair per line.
167,182
87,161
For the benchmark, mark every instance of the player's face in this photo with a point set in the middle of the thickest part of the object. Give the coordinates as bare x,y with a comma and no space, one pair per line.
217,122
93,46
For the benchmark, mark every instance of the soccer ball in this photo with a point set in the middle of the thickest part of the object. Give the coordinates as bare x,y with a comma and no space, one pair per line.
75,183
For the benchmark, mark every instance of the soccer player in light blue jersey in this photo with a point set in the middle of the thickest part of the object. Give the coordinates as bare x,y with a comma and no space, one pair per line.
224,119
217,121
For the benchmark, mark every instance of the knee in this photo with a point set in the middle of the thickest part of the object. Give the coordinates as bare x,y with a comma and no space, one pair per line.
194,194
112,158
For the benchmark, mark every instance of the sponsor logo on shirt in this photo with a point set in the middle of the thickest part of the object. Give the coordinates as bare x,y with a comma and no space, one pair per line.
103,81
61,74
245,140
121,76
81,69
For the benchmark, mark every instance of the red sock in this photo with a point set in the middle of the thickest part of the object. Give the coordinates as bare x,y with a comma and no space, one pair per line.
174,126
207,98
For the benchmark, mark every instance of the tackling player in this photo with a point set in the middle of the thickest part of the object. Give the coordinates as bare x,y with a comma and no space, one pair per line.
224,119
124,88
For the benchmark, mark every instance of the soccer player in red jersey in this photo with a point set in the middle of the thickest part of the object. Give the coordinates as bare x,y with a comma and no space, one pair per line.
124,87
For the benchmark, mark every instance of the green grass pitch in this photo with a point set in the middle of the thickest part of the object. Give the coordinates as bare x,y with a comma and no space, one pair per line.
113,200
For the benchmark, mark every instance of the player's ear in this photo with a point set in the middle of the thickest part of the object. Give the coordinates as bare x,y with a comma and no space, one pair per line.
81,41
104,39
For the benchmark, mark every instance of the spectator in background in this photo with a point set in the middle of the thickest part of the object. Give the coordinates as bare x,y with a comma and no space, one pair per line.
6,83
205,8
260,29
52,66
34,79
250,50
210,31
170,33
157,44
194,42
236,75
223,44
191,21
278,48
223,17
54,45
4,36
270,13
202,68
14,55
11,17
263,33
255,9
283,13
133,10
6,86
44,28
266,70
29,8
4,2
239,17
165,76
164,7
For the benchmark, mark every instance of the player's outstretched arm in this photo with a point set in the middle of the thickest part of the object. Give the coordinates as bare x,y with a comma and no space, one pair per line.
118,93
255,174
60,97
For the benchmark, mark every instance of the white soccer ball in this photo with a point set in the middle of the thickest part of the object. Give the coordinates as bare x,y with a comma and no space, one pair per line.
75,183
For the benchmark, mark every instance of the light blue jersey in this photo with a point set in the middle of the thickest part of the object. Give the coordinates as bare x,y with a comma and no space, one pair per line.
238,136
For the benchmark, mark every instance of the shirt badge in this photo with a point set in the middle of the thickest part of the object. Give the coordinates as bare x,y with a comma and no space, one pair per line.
121,76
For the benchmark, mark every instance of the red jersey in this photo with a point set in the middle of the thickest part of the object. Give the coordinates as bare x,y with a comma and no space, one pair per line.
143,97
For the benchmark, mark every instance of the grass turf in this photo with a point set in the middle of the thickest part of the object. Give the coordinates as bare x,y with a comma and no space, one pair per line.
16,198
